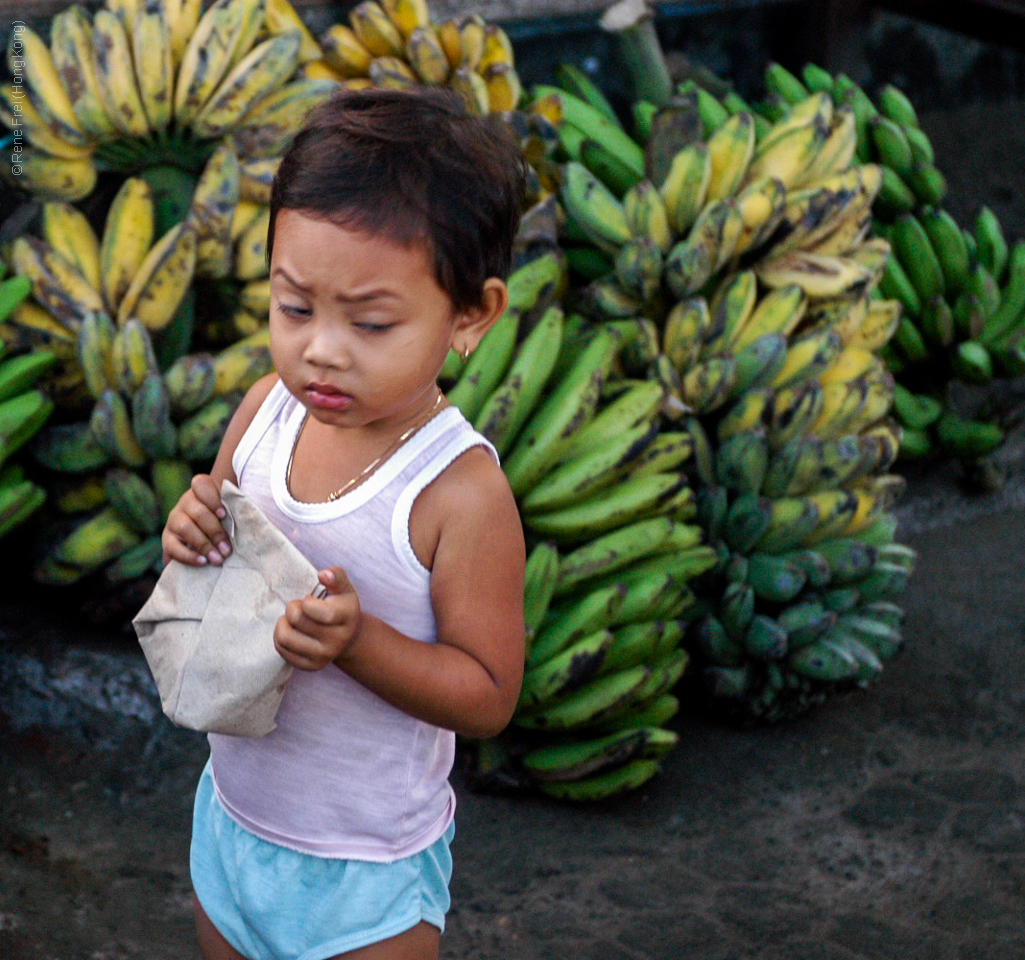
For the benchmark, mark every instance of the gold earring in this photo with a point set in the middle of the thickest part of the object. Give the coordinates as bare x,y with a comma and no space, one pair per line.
465,354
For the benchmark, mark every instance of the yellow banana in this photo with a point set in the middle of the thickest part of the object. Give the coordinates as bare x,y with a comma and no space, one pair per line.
53,178
31,327
407,15
685,186
210,52
239,366
646,215
472,87
266,66
686,326
56,283
126,10
761,204
344,51
280,16
375,30
21,111
132,356
255,297
392,73
838,148
251,248
244,213
503,86
778,311
112,61
69,232
426,56
789,156
71,44
213,207
472,38
256,178
127,238
497,48
318,70
183,25
849,364
154,62
842,401
450,40
95,352
817,275
29,59
879,325
730,149
157,289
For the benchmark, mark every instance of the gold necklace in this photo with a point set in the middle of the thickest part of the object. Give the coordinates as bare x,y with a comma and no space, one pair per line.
374,464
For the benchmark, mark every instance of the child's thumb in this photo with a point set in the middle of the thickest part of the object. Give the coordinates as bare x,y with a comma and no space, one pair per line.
334,580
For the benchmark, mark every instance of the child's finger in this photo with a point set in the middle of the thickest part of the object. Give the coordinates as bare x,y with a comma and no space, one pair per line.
200,532
206,492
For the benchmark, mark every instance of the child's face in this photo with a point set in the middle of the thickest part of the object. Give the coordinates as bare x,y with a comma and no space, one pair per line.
359,326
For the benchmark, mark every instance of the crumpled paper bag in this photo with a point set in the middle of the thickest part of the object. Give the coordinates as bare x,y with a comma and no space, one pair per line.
208,632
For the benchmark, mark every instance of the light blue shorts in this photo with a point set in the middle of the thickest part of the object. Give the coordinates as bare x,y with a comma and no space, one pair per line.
272,903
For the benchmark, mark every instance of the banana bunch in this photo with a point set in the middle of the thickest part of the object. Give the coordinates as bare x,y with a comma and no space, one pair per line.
605,623
889,133
395,44
127,272
148,432
963,297
146,82
608,513
962,291
24,410
748,242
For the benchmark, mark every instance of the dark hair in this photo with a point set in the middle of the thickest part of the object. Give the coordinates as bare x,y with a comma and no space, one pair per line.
410,166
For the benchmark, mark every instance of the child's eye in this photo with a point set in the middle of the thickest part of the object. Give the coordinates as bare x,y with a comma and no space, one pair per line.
374,326
292,311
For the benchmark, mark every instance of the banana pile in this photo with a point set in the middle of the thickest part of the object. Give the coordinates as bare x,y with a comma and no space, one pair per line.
139,414
143,82
748,243
608,516
962,288
24,410
119,472
395,44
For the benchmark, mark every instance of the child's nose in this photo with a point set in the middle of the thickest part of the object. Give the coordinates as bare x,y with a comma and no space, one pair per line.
326,348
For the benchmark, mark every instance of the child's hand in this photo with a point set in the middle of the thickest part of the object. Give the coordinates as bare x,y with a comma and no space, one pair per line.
314,632
193,532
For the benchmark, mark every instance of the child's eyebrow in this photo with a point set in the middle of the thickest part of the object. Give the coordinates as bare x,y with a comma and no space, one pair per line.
375,293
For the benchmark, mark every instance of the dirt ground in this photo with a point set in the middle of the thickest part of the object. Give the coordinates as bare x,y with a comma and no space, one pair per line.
889,823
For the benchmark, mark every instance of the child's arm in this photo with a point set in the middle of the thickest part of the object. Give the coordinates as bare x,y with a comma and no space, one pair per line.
469,680
193,532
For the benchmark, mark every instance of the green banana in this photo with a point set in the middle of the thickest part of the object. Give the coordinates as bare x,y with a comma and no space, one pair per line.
630,500
565,671
558,417
511,404
486,367
134,501
573,619
540,579
151,418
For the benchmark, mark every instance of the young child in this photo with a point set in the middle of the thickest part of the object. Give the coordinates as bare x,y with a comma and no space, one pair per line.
392,221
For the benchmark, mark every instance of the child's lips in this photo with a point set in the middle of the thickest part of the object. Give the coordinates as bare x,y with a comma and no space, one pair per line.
326,397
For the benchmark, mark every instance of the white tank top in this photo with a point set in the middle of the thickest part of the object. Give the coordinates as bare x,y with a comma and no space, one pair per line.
346,774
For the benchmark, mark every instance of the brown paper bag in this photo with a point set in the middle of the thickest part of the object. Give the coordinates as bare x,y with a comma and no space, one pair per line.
208,632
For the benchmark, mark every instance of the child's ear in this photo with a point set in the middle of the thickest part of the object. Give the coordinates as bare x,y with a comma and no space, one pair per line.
472,324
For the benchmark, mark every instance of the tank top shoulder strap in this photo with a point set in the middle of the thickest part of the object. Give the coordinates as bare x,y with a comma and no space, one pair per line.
275,403
455,442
